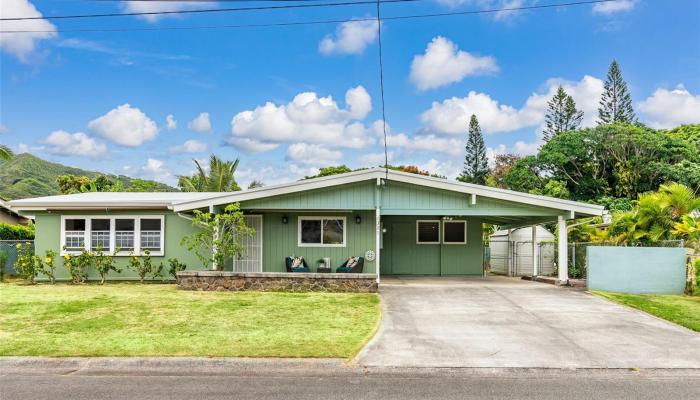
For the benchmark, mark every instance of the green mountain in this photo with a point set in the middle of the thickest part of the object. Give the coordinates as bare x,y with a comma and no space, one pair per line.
28,176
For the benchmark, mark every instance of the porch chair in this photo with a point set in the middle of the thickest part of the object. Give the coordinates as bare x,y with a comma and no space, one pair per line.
354,269
288,261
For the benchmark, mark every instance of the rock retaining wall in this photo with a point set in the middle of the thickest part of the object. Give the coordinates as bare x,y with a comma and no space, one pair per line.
276,281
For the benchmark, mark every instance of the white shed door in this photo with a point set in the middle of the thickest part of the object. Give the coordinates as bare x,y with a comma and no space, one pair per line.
251,259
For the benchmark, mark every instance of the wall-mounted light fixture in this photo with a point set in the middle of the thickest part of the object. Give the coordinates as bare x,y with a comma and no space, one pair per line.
285,219
358,219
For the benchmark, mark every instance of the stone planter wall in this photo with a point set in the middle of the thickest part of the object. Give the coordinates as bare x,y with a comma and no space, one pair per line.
276,281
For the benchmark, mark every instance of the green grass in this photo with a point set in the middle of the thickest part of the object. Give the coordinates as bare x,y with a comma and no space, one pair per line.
683,310
129,319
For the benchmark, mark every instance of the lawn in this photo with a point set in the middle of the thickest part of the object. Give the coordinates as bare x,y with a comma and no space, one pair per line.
683,310
128,319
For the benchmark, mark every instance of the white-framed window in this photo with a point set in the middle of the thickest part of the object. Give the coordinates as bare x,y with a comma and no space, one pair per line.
131,234
454,232
322,231
428,231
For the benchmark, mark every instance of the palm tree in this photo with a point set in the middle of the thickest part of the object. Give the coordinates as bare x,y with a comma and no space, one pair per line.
219,179
5,152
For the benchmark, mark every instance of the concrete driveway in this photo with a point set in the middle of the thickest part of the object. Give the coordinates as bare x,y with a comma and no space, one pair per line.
498,322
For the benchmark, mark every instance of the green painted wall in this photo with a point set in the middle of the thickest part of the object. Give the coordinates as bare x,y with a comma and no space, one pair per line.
48,237
401,255
356,196
281,240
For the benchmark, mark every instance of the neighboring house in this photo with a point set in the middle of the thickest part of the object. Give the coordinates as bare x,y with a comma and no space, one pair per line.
405,223
511,251
11,216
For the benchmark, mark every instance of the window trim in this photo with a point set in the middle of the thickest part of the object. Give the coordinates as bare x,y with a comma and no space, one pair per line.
112,235
418,221
455,221
321,218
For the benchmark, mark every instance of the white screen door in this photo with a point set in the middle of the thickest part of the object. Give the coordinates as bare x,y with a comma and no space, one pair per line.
251,259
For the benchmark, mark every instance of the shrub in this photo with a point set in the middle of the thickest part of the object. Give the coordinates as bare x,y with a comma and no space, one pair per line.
26,264
16,232
175,267
3,263
143,266
78,266
105,263
47,265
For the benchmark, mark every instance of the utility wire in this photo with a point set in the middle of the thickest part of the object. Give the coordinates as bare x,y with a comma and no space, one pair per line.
381,88
317,22
207,10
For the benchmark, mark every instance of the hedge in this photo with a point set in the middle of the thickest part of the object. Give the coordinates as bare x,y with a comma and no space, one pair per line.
16,232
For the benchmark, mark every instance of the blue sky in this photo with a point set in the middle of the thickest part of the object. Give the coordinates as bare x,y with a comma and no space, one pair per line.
288,100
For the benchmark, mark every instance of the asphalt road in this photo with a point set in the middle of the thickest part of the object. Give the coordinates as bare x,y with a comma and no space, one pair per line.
349,383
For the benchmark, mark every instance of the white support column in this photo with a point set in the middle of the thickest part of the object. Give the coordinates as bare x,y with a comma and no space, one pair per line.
510,263
535,249
563,250
378,240
214,250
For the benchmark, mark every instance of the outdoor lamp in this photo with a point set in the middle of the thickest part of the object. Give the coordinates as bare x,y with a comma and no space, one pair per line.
285,219
358,219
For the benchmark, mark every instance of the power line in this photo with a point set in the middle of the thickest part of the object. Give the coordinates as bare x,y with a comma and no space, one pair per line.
381,87
206,10
317,22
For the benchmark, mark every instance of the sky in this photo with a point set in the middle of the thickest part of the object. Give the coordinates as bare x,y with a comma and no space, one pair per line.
145,101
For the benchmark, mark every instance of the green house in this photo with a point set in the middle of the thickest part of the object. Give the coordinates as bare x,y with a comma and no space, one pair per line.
401,223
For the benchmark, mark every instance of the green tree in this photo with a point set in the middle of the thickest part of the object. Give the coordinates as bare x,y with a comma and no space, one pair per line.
224,232
332,170
255,184
616,102
502,166
476,167
219,179
69,184
562,114
5,152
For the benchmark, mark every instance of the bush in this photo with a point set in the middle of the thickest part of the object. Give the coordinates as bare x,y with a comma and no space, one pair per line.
26,264
78,266
16,232
175,267
3,263
104,263
143,266
47,265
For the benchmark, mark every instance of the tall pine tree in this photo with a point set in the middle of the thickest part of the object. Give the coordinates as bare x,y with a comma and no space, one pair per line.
562,114
616,102
476,166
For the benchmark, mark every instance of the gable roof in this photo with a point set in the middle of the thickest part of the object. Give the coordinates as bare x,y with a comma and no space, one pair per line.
378,174
185,201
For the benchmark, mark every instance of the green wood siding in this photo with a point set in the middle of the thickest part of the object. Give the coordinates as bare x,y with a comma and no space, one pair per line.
401,255
48,237
281,240
357,196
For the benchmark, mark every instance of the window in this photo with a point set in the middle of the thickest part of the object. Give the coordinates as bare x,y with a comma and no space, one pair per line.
321,231
125,234
74,234
128,234
454,232
428,232
150,235
100,234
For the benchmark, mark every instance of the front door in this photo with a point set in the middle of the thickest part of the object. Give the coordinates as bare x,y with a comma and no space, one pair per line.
408,257
251,259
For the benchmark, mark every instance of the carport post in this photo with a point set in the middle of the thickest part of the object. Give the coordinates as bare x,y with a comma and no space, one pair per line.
534,250
563,262
378,239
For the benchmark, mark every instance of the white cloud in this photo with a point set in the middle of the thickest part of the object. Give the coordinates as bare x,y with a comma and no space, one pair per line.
670,108
351,37
313,154
190,146
614,6
443,63
489,5
200,124
3,129
78,144
520,148
23,45
22,148
421,143
444,168
249,145
170,122
125,125
374,159
160,6
154,169
451,116
307,118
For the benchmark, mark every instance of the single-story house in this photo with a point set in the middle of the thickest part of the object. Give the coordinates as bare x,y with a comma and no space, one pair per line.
401,223
11,216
